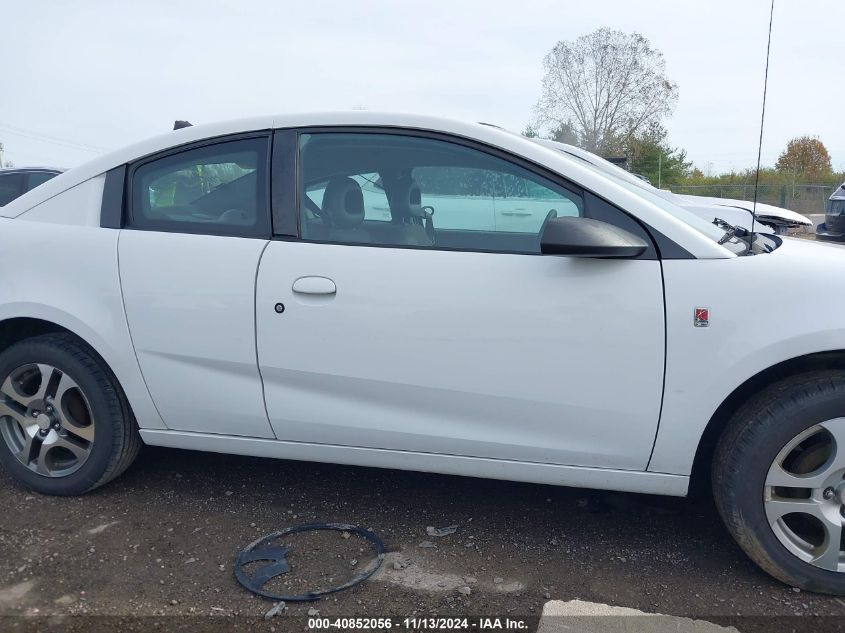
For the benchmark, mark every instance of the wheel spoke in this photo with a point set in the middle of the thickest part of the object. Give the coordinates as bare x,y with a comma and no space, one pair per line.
12,410
828,554
837,429
67,422
782,479
83,432
25,401
55,441
65,384
41,460
30,443
779,507
74,447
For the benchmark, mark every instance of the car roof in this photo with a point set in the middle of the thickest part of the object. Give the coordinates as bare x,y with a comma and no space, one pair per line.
175,138
488,135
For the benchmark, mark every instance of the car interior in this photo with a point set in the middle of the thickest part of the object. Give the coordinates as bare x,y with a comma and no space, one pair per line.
223,191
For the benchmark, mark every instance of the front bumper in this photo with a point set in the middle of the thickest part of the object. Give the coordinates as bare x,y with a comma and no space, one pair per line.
833,231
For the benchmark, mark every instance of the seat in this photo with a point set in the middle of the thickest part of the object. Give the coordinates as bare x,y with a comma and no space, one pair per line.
408,227
343,211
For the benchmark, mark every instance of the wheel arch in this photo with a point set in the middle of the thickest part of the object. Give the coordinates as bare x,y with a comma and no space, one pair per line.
19,328
700,475
122,363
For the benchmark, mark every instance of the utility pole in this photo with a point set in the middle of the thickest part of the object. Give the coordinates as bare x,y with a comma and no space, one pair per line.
659,169
1,156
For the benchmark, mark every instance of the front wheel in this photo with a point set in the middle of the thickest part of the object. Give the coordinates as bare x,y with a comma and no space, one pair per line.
779,480
65,425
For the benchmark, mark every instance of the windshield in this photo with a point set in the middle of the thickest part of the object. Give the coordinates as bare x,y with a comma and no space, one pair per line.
604,165
653,195
645,191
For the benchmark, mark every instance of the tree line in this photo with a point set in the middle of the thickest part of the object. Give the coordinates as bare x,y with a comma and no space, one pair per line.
608,92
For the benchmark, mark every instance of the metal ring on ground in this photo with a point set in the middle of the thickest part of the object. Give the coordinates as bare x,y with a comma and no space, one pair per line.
261,550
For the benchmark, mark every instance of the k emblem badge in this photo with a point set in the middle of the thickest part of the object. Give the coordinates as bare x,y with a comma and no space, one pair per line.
701,317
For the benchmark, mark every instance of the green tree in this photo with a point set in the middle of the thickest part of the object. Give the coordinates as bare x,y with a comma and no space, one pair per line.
565,133
805,157
650,154
530,131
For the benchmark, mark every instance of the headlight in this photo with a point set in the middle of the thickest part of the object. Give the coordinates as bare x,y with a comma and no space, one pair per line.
835,206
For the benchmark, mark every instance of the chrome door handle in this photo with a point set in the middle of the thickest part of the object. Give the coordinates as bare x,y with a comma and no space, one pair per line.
314,286
519,212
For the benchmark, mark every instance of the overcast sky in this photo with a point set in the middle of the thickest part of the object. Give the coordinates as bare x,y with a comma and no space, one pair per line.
85,76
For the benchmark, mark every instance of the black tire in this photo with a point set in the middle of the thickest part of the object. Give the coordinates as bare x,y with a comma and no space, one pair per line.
116,440
751,442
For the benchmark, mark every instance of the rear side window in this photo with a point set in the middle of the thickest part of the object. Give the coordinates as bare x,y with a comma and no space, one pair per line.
39,178
218,189
11,187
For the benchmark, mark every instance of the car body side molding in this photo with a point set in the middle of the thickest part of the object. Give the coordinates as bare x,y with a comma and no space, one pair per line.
529,472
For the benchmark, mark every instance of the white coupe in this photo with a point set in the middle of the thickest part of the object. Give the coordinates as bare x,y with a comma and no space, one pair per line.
407,292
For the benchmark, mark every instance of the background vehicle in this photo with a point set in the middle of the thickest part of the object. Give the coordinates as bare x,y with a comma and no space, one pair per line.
15,182
514,313
770,219
833,227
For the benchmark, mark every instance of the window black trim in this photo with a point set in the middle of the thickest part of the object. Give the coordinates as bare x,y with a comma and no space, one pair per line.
662,246
262,230
600,209
285,191
112,209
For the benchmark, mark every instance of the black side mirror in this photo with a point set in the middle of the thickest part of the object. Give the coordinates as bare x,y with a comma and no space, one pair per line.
585,237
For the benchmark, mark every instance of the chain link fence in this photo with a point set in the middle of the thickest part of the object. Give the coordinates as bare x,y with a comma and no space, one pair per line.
804,199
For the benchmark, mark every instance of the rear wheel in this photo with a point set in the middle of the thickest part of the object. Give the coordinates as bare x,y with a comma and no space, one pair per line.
779,480
65,425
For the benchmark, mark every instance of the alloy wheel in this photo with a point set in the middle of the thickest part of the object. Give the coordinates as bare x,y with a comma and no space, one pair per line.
46,420
804,495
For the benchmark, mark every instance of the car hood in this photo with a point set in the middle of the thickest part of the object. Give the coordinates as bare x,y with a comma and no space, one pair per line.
765,212
732,215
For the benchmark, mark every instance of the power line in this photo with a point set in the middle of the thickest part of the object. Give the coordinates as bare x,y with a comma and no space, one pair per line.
11,129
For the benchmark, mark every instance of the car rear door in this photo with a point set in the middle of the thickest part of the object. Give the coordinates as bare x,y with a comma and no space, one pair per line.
197,223
474,345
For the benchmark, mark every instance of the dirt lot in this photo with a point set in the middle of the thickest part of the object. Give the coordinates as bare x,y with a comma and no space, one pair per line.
161,541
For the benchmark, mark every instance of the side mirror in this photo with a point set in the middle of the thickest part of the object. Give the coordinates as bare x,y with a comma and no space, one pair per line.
585,237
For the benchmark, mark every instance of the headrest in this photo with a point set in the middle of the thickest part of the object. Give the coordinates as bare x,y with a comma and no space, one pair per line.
406,200
343,203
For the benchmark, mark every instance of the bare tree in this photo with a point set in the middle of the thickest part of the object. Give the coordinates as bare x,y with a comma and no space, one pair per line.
606,85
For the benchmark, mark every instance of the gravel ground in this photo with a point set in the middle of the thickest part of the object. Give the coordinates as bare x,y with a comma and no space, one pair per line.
161,541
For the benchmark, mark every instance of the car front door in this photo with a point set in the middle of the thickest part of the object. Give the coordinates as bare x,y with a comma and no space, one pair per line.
470,344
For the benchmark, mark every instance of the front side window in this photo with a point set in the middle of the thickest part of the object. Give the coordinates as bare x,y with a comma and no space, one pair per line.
395,190
215,189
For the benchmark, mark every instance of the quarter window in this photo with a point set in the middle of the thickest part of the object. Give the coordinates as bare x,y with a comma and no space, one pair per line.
395,190
11,187
39,178
215,189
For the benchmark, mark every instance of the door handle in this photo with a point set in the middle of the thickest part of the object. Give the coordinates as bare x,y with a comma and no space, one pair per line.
519,212
314,286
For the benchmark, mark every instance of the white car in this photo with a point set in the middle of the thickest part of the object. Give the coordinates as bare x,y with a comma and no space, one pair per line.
408,292
767,218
